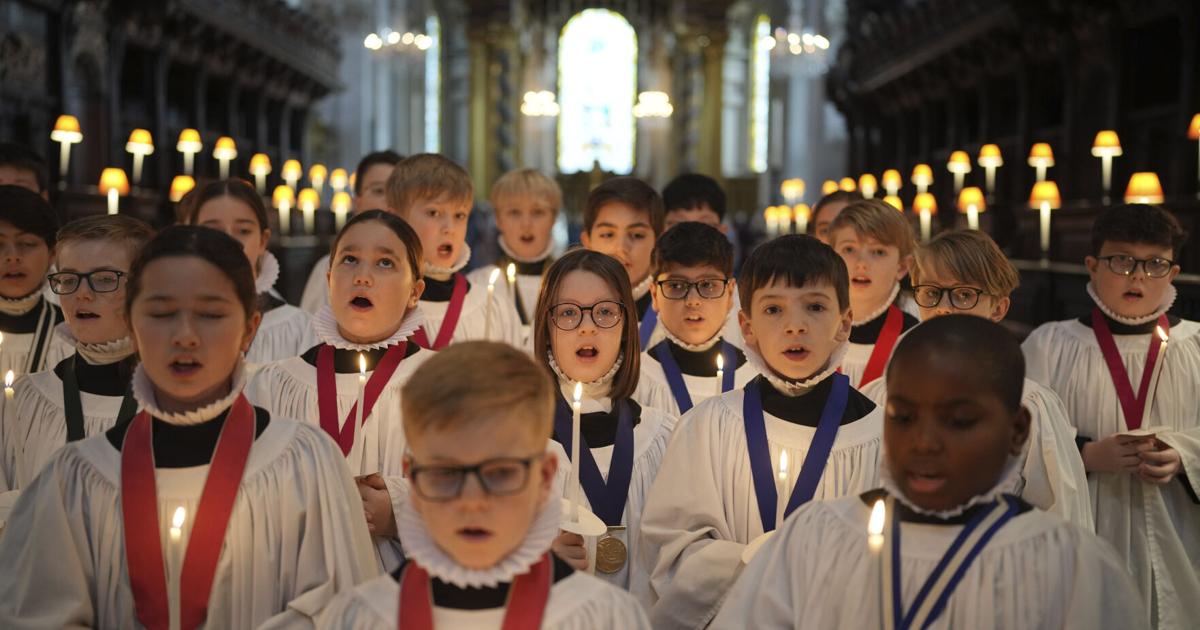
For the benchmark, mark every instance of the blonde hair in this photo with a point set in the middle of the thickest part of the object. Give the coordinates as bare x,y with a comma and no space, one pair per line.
971,257
878,220
526,182
474,381
123,229
427,176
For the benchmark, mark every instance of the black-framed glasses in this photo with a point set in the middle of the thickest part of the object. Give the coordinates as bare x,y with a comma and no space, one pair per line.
503,476
101,281
961,298
1123,265
708,288
568,315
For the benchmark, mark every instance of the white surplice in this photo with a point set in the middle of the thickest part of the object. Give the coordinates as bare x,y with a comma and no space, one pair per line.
285,332
700,388
473,320
316,290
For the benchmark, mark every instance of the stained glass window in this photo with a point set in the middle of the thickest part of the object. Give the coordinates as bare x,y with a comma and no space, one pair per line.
760,88
597,82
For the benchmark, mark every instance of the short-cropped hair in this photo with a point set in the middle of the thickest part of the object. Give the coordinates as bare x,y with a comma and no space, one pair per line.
875,219
526,182
1138,223
798,260
693,190
970,256
693,244
630,191
837,196
123,230
28,212
473,382
427,176
386,157
21,157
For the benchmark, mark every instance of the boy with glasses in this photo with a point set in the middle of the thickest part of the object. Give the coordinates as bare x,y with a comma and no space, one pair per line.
693,292
965,273
1132,396
481,513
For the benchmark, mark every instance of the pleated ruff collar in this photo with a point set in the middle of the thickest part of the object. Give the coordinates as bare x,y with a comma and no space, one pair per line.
595,393
879,311
791,388
268,273
464,257
1008,481
522,259
21,305
143,392
1168,302
326,327
692,347
102,353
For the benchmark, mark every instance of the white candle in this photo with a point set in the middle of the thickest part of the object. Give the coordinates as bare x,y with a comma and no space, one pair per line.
310,219
875,527
175,533
1158,368
511,273
113,199
224,167
8,382
285,217
958,181
137,167
362,391
487,321
720,373
802,223
781,488
1106,174
260,181
1041,172
188,161
972,217
1045,229
926,226
990,177
576,489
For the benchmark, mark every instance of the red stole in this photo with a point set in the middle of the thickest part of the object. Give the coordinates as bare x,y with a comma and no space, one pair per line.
526,605
892,327
1132,407
327,393
450,322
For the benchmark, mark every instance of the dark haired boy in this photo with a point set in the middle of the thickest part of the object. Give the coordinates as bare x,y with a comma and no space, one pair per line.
20,166
1139,435
694,197
27,318
828,208
720,486
623,218
955,549
693,294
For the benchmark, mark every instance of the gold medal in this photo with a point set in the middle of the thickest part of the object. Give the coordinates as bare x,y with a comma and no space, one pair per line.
611,552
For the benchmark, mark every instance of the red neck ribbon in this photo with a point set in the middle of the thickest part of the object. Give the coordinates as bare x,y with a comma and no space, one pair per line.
526,598
1132,407
450,321
327,393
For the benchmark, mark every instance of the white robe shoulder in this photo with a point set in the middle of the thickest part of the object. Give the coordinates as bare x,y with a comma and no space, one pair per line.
473,321
285,332
316,290
700,388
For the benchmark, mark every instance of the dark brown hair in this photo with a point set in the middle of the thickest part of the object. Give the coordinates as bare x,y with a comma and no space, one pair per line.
692,244
123,229
192,241
798,260
398,226
427,176
1138,223
613,274
630,191
239,189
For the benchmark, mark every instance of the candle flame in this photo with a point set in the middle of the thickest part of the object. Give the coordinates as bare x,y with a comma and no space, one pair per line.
1,337
878,517
720,362
362,364
511,272
578,391
783,464
178,517
492,278
8,378
1162,334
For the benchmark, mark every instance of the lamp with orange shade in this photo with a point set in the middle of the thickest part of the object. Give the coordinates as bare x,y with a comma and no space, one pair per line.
291,173
792,189
868,185
140,144
66,132
894,201
772,220
1106,146
922,177
283,199
260,166
1044,197
338,179
1041,157
990,159
959,164
847,184
971,203
308,200
225,151
1144,188
800,214
892,182
1194,134
926,206
828,186
180,186
317,174
189,145
341,207
113,184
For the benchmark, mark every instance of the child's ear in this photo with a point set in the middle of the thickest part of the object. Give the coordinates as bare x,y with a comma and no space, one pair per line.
1175,269
585,239
417,290
1020,431
747,331
266,239
251,330
654,297
547,470
905,266
844,325
1091,262
999,308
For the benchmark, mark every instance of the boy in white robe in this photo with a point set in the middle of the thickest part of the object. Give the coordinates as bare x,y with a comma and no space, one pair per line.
525,203
86,393
693,294
481,514
99,538
720,487
877,244
954,430
369,183
27,318
434,195
1144,486
964,272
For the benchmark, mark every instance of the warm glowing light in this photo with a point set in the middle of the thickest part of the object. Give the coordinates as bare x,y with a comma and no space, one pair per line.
653,104
878,518
792,189
510,272
959,162
925,202
114,179
308,200
178,518
66,130
338,179
225,149
829,186
922,175
283,197
1106,143
189,141
260,164
848,184
720,363
578,392
971,196
989,156
1193,129
892,181
340,202
1162,334
317,174
801,211
180,186
894,201
292,171
362,364
9,377
140,142
1144,188
1041,155
868,185
783,466
1045,194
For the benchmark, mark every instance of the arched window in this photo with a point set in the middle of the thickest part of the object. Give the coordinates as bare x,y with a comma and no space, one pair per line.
597,81
433,86
760,93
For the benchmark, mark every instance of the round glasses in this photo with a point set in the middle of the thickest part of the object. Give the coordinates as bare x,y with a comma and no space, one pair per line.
961,298
568,315
709,289
498,477
101,281
1123,265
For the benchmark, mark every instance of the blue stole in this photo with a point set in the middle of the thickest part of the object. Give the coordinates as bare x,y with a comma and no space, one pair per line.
814,462
674,375
607,499
646,326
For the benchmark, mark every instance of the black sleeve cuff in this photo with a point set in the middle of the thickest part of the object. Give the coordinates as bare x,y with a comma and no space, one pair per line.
1080,441
1187,487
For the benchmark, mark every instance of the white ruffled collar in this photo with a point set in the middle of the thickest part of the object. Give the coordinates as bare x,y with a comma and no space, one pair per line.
21,305
420,547
102,353
1168,302
268,273
326,327
886,303
436,273
596,391
789,387
522,259
1007,484
692,347
641,288
143,392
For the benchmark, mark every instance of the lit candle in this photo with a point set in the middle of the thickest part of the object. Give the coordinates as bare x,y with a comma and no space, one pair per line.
341,207
362,389
781,487
875,527
1158,368
926,225
487,322
576,490
720,373
177,520
511,273
176,563
8,382
973,217
1044,231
